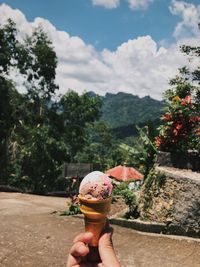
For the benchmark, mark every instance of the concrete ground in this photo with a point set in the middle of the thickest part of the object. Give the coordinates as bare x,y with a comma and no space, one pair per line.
32,233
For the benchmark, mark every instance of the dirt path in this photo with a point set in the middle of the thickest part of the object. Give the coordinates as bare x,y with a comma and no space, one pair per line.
32,235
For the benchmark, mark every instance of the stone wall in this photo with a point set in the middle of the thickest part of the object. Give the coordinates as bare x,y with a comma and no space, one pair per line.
175,201
189,160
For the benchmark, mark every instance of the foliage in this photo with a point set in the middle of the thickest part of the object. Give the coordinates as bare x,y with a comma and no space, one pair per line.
73,209
180,130
123,109
151,188
10,49
77,114
118,188
148,151
5,126
58,141
130,201
39,134
33,134
101,148
128,196
154,177
130,131
181,122
41,63
10,57
142,153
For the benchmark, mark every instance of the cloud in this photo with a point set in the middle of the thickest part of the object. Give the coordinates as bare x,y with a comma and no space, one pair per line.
106,3
190,15
17,16
138,66
139,4
133,4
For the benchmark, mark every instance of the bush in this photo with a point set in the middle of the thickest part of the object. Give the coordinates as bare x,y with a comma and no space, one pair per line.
128,196
180,128
151,188
73,209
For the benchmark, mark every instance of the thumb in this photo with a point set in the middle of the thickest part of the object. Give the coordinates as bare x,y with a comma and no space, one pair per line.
106,250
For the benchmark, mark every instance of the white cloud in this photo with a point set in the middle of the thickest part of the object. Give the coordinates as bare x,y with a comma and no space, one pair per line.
139,4
106,3
190,15
17,16
138,66
133,4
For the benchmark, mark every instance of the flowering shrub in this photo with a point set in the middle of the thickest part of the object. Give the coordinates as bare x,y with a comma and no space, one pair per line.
180,130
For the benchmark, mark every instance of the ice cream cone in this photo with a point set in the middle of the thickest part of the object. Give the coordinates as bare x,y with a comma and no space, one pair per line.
95,213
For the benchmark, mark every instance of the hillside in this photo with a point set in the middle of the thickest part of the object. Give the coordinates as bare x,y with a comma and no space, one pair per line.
123,109
131,129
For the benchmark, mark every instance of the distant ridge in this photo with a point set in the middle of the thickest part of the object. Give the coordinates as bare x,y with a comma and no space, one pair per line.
123,109
122,132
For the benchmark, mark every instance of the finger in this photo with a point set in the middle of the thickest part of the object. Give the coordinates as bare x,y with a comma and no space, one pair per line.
79,249
84,237
106,236
77,253
106,249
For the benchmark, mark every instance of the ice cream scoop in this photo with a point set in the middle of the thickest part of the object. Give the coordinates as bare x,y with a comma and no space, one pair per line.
96,185
95,198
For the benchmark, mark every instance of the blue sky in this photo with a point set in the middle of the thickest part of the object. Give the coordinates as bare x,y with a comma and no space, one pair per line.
102,35
100,26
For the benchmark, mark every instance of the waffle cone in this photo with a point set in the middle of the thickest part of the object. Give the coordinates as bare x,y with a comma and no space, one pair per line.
95,213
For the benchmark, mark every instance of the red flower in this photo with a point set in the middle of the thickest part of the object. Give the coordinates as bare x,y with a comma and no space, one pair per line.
198,131
175,132
158,141
178,126
195,119
167,117
187,101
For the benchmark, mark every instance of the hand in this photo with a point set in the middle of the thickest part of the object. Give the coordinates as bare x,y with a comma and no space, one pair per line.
81,255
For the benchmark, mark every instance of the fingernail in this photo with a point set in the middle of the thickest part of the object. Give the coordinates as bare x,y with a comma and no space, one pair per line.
81,249
89,234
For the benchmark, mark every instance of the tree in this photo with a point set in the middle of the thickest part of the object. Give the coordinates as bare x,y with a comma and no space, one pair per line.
10,48
180,130
38,134
41,66
141,154
98,147
39,151
11,52
194,74
5,126
76,113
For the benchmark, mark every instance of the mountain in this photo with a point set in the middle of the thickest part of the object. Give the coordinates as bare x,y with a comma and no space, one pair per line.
131,129
124,109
